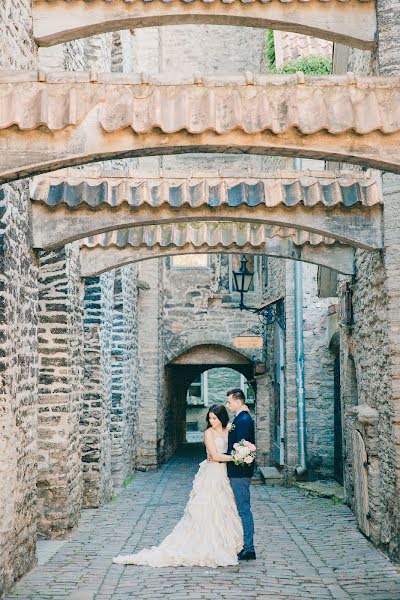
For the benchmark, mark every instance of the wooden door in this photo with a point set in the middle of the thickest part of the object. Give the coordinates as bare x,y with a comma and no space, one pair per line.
360,474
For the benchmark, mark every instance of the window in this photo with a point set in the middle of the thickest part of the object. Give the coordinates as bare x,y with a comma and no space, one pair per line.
190,261
197,393
253,264
248,390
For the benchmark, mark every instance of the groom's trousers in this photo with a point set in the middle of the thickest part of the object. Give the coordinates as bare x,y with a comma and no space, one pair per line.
241,491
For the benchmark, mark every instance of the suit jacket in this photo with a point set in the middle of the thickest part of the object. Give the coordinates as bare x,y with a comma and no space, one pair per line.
243,430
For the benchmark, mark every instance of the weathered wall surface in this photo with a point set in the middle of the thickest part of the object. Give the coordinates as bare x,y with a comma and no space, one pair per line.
319,379
200,309
18,345
97,400
369,350
318,359
151,368
60,338
124,366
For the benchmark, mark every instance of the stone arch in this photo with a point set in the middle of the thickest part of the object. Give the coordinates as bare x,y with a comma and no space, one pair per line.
102,259
352,23
49,122
184,363
212,352
70,205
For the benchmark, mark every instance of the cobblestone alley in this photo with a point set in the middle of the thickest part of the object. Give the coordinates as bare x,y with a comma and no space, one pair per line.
307,547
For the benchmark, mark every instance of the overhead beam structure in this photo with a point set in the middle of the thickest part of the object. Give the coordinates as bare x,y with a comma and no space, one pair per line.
114,249
350,22
74,204
54,120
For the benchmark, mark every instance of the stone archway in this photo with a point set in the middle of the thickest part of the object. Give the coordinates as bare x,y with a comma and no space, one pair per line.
109,251
50,121
182,369
352,22
72,205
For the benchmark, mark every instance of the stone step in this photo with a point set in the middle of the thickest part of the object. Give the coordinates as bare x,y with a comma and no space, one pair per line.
271,475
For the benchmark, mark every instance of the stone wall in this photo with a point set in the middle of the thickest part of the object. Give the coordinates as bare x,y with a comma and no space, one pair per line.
319,378
18,345
318,360
60,337
369,349
200,309
124,366
151,369
97,400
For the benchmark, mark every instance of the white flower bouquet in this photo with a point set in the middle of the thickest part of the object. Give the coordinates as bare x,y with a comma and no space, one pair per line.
243,453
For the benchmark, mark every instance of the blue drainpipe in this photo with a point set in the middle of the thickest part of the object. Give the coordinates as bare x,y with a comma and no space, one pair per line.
301,468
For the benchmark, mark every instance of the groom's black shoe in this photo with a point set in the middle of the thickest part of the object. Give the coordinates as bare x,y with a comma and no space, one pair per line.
247,555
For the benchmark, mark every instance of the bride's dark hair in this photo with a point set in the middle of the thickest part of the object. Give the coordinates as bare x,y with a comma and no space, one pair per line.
220,412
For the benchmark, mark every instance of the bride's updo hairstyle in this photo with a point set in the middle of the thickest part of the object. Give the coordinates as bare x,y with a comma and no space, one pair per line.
220,412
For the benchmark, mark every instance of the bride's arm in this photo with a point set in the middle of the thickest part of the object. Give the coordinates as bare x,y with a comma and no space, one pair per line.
211,449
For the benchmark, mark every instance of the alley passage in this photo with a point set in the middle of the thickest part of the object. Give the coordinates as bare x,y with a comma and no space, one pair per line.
307,547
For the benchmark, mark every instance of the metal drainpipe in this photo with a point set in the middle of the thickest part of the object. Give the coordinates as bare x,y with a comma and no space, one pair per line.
301,468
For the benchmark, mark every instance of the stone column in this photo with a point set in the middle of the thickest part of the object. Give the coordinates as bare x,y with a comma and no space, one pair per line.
96,414
60,337
18,385
150,366
291,437
124,367
388,61
264,411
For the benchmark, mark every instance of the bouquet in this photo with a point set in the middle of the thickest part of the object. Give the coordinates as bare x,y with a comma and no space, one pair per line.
243,453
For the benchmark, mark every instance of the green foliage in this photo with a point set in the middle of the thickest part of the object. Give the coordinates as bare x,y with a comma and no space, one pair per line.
269,50
127,481
309,65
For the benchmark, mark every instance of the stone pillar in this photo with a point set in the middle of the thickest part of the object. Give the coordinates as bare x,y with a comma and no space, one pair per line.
18,386
18,338
264,412
96,414
60,337
124,368
151,366
291,437
388,61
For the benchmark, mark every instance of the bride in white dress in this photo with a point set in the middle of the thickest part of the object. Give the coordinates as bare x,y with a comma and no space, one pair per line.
210,533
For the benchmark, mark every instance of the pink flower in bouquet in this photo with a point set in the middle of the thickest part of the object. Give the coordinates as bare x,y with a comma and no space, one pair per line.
248,444
252,447
236,446
248,459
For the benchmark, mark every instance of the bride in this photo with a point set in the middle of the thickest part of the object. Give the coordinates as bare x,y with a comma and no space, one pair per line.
210,533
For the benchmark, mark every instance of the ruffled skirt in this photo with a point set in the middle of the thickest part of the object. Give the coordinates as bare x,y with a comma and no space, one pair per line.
210,533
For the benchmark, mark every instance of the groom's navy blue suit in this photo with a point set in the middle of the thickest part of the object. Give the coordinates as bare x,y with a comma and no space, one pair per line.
240,477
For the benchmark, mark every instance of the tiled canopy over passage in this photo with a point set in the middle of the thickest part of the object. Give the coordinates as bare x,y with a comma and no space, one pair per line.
348,21
117,248
70,206
54,120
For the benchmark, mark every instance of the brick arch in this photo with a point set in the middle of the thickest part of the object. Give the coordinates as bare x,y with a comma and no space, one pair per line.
352,22
50,121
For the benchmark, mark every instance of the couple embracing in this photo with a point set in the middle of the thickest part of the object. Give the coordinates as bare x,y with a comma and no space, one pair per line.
217,527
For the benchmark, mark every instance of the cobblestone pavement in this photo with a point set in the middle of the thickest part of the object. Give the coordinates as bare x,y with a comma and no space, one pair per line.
306,547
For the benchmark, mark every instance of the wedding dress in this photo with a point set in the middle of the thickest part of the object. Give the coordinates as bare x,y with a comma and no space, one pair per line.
210,533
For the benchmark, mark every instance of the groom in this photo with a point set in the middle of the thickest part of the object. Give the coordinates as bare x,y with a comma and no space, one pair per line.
240,477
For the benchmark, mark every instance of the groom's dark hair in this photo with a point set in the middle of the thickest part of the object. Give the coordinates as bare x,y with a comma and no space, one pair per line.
237,394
